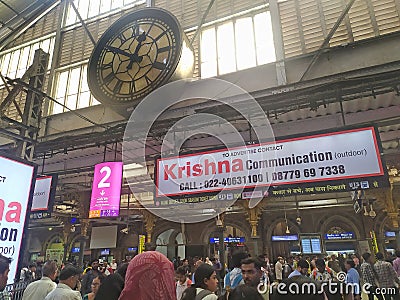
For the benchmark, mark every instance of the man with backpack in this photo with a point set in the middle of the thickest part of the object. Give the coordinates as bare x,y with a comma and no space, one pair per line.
321,272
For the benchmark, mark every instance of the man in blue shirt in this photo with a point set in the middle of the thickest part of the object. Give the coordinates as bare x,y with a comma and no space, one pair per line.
301,269
352,279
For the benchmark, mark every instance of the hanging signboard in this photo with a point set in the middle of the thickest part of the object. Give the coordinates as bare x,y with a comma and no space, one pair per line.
285,238
16,191
238,239
327,162
106,190
43,197
311,244
340,236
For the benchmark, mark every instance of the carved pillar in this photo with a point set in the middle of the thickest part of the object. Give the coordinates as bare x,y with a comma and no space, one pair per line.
388,198
220,229
66,236
149,222
253,216
83,200
389,201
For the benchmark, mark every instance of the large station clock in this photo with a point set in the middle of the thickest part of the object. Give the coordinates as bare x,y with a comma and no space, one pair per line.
137,54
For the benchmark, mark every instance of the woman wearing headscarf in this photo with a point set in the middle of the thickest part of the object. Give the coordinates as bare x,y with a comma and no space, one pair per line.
150,276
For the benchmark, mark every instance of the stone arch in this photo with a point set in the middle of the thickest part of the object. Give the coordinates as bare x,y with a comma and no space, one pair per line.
169,240
51,240
339,219
162,226
211,228
269,229
380,223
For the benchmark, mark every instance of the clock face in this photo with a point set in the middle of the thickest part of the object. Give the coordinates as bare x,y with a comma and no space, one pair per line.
136,55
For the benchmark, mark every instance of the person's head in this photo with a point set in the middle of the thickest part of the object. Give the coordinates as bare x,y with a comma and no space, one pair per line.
70,276
244,292
185,262
181,274
198,263
150,276
50,269
121,270
4,269
32,267
349,264
320,264
333,256
397,253
251,271
206,278
379,256
96,282
110,288
95,264
302,266
367,257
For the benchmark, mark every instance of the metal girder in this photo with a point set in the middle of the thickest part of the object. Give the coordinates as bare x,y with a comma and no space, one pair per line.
328,38
33,106
71,2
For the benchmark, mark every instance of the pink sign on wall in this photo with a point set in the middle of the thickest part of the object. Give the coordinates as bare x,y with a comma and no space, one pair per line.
106,190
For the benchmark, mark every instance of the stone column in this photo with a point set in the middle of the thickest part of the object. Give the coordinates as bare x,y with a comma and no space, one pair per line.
221,246
66,235
83,199
388,197
149,222
253,217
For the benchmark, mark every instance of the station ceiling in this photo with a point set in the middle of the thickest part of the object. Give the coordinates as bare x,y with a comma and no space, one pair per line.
17,15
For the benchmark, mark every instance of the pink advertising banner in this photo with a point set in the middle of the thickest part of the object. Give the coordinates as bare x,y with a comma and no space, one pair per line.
106,190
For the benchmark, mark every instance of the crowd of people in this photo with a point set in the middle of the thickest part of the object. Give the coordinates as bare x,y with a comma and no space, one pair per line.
151,276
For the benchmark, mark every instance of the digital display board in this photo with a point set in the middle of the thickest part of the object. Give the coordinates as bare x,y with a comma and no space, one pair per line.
75,250
391,234
132,249
105,252
106,190
43,197
339,236
311,244
280,238
228,240
16,191
325,162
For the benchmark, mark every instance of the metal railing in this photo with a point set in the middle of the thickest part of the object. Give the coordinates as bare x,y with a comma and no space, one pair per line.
16,289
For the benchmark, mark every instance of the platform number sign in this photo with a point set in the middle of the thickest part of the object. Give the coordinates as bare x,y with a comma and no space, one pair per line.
106,190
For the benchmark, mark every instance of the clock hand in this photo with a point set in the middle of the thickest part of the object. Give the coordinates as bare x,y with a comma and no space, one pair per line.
119,51
135,57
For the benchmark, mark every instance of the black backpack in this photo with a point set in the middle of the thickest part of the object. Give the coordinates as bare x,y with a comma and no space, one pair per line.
202,294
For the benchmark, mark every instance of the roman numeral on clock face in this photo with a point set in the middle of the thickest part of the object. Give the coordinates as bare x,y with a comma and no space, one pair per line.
108,78
163,49
117,87
159,65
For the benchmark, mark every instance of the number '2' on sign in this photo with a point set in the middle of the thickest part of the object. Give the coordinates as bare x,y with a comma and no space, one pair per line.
106,189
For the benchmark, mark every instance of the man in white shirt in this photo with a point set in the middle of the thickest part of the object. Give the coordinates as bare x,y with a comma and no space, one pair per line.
69,278
38,290
114,264
279,269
